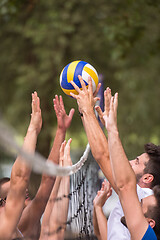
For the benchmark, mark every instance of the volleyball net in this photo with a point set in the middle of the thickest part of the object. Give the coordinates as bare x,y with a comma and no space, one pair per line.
84,184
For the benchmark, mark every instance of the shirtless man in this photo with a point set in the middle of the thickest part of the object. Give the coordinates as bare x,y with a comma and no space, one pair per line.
29,223
12,207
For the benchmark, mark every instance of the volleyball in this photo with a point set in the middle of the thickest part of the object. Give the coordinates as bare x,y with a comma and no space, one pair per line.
71,72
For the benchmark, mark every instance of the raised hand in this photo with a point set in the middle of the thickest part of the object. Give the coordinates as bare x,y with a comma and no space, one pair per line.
85,97
107,100
63,120
103,194
111,118
36,117
65,158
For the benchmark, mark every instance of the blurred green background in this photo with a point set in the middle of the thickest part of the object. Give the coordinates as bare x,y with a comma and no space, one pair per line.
121,39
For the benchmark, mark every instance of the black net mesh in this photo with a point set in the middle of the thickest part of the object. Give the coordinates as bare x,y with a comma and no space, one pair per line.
83,187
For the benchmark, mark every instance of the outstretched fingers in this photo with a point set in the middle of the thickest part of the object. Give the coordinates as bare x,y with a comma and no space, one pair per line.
100,114
112,104
56,104
71,113
67,157
107,100
61,153
90,87
108,189
76,88
97,90
115,102
84,88
61,103
35,102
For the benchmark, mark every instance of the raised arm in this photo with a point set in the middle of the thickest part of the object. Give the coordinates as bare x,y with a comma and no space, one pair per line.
99,219
124,176
63,123
50,210
95,135
59,212
34,211
20,176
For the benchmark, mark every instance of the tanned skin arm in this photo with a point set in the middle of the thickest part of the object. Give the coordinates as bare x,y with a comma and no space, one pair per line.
99,219
59,212
95,135
33,212
124,176
20,176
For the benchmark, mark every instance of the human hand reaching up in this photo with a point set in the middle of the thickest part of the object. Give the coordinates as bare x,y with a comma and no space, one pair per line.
110,117
103,194
65,157
36,117
63,120
86,99
107,100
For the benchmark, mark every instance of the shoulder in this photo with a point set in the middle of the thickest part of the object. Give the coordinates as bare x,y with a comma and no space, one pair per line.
149,234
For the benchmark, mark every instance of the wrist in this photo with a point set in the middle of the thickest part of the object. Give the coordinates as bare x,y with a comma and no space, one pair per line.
32,130
97,205
87,112
61,130
98,208
113,130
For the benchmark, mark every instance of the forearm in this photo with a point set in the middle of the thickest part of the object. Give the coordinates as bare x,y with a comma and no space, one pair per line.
37,207
47,181
95,135
102,223
95,225
60,210
98,144
122,170
20,169
49,208
30,140
59,138
51,202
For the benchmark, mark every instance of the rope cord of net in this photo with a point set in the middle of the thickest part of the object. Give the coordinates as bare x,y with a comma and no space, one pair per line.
37,162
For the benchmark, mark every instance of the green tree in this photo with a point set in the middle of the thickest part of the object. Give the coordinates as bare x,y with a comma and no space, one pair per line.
120,39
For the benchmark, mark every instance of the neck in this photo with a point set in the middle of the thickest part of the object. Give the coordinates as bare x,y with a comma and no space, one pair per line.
144,185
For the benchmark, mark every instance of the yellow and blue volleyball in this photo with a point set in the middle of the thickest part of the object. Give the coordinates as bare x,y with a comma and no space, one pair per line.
71,72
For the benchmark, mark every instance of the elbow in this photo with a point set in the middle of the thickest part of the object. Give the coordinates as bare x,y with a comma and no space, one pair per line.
125,185
100,156
21,178
21,172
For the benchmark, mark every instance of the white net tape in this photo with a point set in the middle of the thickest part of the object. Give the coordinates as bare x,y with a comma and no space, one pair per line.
37,162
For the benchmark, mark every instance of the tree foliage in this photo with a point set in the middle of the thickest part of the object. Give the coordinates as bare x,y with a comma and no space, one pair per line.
121,39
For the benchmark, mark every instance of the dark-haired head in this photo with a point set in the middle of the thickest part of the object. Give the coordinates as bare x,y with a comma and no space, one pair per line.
4,187
153,165
153,212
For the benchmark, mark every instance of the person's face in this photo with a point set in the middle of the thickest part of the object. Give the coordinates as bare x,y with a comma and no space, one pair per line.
139,163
